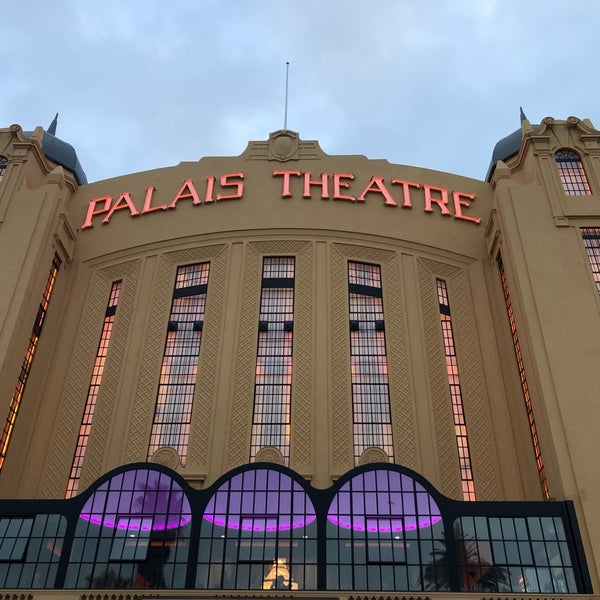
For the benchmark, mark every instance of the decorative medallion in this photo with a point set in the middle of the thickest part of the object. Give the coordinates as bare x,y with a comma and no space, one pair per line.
373,455
166,456
269,454
283,145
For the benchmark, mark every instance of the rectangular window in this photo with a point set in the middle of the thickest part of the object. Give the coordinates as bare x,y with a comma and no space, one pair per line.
3,166
132,538
273,382
524,386
591,241
30,550
368,361
15,401
94,388
572,174
173,413
14,535
460,424
514,555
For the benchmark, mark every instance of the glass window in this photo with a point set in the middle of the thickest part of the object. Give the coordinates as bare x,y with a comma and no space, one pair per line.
30,550
94,388
258,532
17,396
381,526
571,173
14,535
173,413
3,166
273,382
368,361
514,555
132,538
524,385
460,423
591,241
132,532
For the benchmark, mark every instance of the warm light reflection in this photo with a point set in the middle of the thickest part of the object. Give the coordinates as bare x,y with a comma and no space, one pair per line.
15,401
177,382
94,388
278,577
524,386
273,372
368,361
572,174
591,241
460,425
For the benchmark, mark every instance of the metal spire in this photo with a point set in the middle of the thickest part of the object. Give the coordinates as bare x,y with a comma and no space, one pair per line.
287,70
52,128
523,117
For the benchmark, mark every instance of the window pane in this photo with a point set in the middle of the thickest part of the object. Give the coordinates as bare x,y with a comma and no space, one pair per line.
260,526
177,384
273,379
380,525
94,388
368,361
571,173
460,424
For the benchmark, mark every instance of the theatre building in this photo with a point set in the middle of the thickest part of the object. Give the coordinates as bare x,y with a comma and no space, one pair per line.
287,373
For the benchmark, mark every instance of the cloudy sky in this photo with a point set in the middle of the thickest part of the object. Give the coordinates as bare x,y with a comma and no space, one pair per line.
141,84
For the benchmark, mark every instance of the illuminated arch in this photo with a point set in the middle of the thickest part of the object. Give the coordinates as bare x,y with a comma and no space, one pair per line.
258,532
132,532
382,527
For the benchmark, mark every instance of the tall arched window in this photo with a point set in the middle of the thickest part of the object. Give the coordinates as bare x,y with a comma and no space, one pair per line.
571,173
384,532
132,532
258,531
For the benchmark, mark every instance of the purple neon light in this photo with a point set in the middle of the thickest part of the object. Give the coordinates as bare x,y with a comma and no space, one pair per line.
137,500
383,501
260,500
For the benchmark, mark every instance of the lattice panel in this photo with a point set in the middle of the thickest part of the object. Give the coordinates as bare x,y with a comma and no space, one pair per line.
341,404
475,399
341,441
403,417
243,394
80,368
147,385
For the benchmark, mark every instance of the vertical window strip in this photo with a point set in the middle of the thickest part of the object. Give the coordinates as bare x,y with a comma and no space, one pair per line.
460,423
524,386
368,361
177,384
273,381
572,174
94,388
3,166
591,241
15,401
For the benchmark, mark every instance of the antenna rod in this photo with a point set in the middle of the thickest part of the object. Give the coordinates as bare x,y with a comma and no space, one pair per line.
287,70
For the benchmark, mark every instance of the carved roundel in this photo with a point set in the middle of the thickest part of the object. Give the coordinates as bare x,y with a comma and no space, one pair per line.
166,456
269,454
283,145
373,455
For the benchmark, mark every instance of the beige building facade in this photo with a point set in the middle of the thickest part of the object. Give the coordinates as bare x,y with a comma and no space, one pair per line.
287,370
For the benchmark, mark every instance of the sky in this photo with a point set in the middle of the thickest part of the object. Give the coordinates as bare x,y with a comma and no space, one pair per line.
143,84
